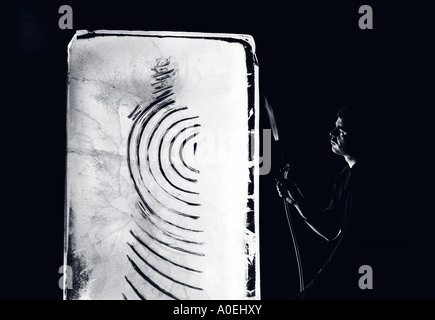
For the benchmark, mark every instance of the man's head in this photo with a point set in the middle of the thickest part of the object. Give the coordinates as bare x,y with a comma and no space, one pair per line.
347,136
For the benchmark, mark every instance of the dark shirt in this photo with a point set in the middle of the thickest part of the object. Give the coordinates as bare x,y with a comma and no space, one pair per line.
375,230
348,217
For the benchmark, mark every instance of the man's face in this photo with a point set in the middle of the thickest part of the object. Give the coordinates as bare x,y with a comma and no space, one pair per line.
341,140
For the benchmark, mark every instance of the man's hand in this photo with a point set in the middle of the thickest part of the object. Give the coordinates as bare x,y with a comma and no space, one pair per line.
282,192
287,188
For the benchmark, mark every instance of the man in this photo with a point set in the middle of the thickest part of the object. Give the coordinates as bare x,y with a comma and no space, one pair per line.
346,222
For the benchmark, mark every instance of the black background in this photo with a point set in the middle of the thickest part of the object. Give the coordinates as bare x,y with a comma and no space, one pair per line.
313,59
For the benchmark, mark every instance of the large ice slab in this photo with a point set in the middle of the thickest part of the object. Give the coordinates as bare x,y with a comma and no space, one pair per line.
162,172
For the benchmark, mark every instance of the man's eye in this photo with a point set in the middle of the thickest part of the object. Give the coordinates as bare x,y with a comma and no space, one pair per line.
342,133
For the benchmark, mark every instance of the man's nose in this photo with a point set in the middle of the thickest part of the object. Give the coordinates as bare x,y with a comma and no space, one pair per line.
333,133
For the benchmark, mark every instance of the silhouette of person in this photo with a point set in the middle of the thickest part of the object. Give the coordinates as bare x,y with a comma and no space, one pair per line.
347,221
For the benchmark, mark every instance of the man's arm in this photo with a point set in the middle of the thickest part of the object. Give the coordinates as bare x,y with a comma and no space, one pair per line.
325,223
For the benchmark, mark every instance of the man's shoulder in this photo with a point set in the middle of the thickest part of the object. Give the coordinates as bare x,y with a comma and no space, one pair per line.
345,171
342,177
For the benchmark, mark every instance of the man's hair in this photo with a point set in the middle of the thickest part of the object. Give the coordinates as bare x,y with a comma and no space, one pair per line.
356,121
355,118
